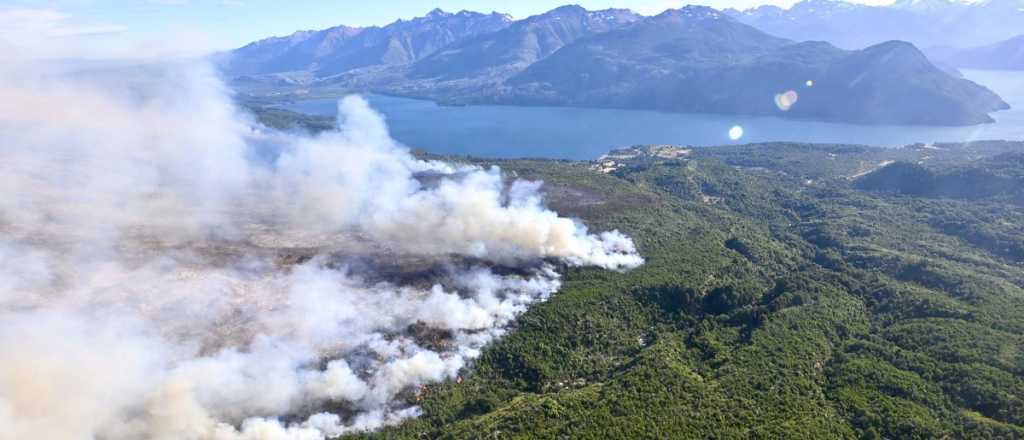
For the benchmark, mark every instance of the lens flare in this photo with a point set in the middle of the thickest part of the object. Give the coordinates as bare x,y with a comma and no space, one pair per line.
785,100
810,83
736,132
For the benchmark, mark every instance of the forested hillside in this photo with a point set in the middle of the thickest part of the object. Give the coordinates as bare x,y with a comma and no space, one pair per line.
779,300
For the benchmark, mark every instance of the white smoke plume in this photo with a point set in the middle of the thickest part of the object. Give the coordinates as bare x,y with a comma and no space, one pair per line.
169,270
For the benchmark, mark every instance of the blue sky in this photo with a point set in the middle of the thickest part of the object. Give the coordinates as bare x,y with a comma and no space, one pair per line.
125,28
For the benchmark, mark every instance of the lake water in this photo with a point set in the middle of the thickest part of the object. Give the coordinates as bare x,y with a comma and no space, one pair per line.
579,133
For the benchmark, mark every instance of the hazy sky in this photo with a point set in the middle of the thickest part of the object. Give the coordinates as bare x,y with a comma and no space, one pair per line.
112,28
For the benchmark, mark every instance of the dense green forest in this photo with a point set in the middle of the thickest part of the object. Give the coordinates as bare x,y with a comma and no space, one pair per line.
790,291
787,293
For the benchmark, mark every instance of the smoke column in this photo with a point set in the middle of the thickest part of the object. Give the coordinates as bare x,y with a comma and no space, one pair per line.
171,270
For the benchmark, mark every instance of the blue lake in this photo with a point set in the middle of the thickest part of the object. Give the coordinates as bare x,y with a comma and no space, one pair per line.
580,133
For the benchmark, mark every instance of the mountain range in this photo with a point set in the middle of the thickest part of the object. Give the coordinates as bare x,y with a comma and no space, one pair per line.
693,59
521,44
1003,55
342,48
698,60
925,23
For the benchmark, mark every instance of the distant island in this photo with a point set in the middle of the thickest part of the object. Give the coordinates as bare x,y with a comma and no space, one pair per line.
694,59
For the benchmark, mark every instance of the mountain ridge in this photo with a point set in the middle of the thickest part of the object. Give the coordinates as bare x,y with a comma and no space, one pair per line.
522,43
340,48
754,67
1002,55
925,23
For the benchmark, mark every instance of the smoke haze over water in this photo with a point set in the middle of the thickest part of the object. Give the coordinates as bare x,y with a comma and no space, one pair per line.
168,271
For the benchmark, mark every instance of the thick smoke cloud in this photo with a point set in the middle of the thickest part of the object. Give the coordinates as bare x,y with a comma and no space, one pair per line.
170,270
